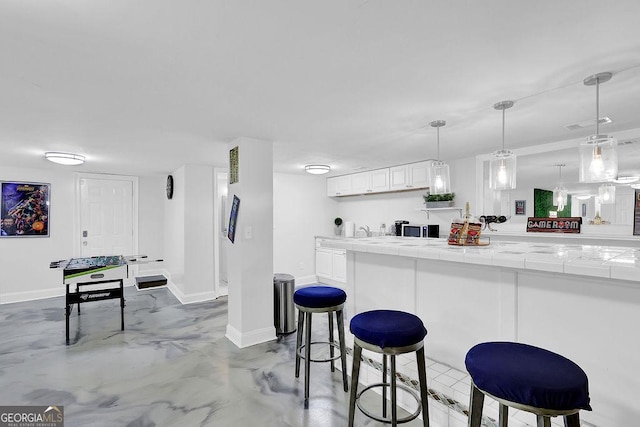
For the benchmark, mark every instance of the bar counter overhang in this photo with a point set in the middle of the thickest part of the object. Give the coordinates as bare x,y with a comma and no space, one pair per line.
577,300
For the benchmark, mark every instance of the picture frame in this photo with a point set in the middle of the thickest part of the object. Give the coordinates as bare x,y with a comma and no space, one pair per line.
636,213
24,209
521,207
233,219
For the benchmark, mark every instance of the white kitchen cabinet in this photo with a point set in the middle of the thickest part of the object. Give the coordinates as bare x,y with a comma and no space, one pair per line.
409,177
374,181
339,186
331,264
339,259
324,262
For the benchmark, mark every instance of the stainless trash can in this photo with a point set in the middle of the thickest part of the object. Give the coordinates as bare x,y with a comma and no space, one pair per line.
283,307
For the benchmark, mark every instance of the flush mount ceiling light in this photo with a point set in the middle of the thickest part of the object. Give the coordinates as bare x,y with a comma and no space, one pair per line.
317,169
626,179
67,159
607,193
502,168
635,186
440,183
582,196
560,193
598,154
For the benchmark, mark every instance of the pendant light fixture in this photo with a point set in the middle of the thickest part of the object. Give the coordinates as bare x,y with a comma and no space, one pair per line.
560,193
598,154
439,170
607,193
502,168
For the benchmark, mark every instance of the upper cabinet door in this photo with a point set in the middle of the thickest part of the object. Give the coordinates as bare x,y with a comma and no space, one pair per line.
400,178
379,180
361,183
339,186
420,174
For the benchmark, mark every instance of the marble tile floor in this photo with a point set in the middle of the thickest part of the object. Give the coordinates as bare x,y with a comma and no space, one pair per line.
172,366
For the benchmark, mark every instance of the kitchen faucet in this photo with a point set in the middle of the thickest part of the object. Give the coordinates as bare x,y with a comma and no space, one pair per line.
366,229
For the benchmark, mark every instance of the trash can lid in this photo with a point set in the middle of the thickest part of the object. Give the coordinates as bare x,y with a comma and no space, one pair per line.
282,277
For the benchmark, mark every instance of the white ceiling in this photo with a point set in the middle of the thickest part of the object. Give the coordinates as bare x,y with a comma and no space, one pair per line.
145,86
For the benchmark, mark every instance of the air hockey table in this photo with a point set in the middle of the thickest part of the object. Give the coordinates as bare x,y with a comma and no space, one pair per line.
97,270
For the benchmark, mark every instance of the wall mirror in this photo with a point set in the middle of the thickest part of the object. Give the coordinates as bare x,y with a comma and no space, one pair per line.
536,168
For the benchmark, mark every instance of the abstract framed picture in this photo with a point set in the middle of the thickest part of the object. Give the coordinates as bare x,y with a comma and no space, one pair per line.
521,207
233,219
25,209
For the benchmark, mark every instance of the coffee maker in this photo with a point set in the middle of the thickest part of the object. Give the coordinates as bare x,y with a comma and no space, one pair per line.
398,226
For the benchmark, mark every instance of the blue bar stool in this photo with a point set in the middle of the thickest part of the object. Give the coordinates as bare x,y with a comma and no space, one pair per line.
319,299
389,333
527,378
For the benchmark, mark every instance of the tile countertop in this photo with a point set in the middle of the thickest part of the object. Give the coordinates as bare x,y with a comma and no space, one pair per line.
612,262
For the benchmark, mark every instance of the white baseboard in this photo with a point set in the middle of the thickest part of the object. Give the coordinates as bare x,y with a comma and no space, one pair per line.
190,298
31,295
306,280
247,339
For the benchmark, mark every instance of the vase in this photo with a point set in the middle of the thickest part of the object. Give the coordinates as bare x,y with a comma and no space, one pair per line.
337,230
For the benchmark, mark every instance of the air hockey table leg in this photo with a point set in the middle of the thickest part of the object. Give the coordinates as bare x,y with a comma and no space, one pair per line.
78,290
121,304
67,314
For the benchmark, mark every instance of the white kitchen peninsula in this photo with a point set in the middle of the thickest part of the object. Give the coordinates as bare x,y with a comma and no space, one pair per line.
577,300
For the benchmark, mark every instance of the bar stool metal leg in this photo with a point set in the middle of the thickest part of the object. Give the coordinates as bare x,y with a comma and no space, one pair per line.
343,350
572,420
299,341
355,374
394,394
307,359
543,421
422,377
331,353
503,415
384,389
476,400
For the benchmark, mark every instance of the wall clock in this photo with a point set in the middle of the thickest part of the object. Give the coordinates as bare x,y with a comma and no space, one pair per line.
169,187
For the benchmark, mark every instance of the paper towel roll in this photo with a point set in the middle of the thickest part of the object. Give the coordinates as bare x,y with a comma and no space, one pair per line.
349,229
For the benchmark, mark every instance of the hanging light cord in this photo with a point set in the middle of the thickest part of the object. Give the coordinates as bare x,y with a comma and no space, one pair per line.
438,145
503,129
597,108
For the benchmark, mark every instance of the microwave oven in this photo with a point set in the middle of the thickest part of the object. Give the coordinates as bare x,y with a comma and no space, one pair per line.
421,230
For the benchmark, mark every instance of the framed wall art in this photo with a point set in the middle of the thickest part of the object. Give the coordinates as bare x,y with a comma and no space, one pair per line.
521,207
25,209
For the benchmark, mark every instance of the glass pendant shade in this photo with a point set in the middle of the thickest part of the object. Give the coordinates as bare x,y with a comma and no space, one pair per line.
560,197
598,159
607,193
502,167
598,154
440,182
502,170
439,178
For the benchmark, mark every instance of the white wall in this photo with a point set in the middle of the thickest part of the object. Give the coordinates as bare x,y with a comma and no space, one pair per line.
198,233
151,196
174,232
188,234
301,211
24,261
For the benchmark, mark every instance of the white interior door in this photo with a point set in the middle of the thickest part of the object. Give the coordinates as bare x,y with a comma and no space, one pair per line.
106,217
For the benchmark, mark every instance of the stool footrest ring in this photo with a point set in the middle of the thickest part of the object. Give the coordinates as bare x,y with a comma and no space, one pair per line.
388,420
329,359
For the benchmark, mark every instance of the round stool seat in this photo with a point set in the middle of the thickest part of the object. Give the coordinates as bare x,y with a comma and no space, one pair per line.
528,375
388,328
319,296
